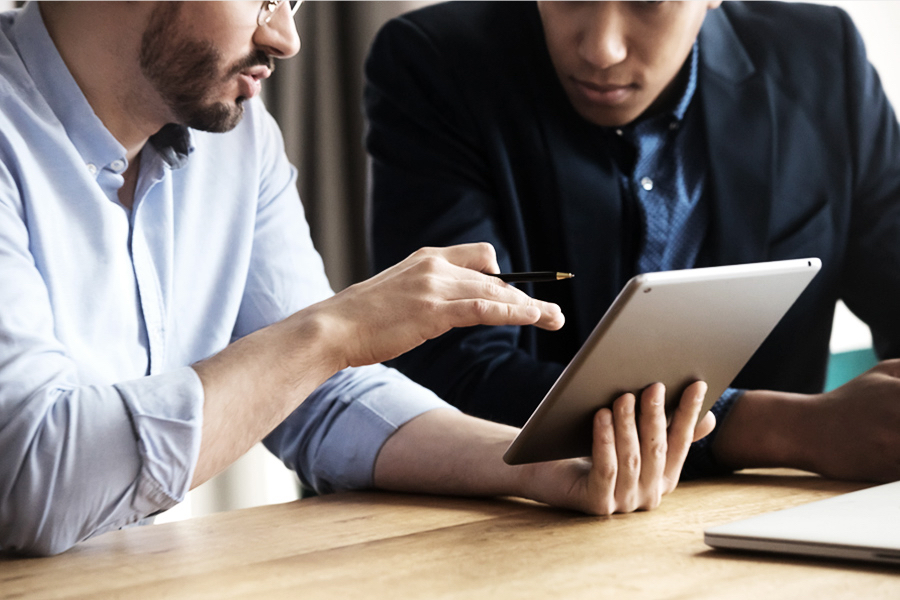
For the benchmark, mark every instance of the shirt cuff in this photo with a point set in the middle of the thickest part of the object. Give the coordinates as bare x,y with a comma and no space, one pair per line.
333,439
700,461
166,413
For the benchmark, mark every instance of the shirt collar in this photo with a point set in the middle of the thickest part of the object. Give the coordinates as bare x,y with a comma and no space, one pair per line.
678,110
691,86
97,146
173,144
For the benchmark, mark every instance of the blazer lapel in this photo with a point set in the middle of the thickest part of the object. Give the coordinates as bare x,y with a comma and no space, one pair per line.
739,118
582,195
595,228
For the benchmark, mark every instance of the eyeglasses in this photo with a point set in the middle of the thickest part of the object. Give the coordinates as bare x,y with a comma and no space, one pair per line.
267,10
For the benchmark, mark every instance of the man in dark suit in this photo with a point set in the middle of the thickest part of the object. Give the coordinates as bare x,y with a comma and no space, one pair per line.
612,138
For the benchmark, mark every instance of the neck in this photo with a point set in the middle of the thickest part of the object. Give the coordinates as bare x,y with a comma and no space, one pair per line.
672,94
100,44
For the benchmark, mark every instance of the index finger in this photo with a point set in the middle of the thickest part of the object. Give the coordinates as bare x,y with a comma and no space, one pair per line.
681,431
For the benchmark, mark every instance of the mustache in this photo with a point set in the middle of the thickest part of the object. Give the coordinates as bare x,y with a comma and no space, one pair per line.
254,59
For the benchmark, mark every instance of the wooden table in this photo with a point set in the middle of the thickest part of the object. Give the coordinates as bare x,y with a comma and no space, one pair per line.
373,545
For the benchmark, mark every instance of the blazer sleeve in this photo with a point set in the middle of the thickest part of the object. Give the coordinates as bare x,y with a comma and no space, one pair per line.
431,185
871,274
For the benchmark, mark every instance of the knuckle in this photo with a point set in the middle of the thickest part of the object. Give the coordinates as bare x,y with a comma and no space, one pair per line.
486,250
607,436
606,472
429,284
651,503
480,308
658,448
669,485
430,262
431,306
628,503
652,498
604,507
632,461
423,252
492,287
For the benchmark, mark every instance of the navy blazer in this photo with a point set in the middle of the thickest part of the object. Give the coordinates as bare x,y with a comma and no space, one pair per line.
472,138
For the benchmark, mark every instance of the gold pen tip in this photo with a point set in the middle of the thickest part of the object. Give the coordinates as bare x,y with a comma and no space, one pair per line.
564,276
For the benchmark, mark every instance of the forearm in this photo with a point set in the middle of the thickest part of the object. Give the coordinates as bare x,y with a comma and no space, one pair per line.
447,452
768,429
255,383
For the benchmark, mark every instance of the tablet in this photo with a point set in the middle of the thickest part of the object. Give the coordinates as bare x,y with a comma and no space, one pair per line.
674,327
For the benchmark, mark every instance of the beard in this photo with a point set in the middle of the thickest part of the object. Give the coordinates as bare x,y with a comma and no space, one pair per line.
186,72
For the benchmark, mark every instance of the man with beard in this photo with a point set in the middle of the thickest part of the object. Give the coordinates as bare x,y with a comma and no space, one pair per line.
608,139
162,308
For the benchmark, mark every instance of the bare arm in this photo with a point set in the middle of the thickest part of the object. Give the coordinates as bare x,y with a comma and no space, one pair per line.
634,463
852,432
253,384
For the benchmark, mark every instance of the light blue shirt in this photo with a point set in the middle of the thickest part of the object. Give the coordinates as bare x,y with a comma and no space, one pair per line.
102,310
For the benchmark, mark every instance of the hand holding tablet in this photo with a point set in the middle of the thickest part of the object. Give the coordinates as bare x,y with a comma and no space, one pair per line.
673,327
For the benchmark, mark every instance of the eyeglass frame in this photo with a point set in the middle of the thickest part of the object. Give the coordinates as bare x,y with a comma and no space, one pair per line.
268,8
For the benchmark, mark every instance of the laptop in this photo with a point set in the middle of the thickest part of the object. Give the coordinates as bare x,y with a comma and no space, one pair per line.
863,525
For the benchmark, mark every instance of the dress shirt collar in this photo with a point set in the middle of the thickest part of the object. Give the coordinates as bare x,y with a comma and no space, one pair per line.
690,86
97,146
679,107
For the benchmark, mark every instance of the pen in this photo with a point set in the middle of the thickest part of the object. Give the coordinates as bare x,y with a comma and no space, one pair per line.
532,277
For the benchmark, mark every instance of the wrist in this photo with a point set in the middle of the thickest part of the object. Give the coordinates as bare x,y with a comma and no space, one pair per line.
769,429
314,336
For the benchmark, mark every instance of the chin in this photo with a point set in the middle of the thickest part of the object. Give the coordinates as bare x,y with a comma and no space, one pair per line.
217,118
608,120
607,116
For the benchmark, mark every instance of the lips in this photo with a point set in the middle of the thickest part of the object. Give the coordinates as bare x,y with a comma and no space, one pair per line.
607,94
251,80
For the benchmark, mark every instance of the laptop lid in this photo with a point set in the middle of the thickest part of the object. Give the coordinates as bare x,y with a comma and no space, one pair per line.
863,525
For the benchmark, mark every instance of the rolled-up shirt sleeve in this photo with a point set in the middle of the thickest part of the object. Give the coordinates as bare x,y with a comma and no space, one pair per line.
166,413
332,440
78,459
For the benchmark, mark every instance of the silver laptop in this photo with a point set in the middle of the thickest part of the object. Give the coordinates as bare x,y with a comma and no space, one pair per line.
863,525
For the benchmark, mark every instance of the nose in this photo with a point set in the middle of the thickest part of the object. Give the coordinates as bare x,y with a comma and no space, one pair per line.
279,37
604,42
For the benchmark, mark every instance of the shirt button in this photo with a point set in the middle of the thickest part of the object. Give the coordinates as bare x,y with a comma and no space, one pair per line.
618,132
673,125
117,165
647,183
92,168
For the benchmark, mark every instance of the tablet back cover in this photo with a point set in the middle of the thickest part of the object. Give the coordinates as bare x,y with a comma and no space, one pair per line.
675,327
